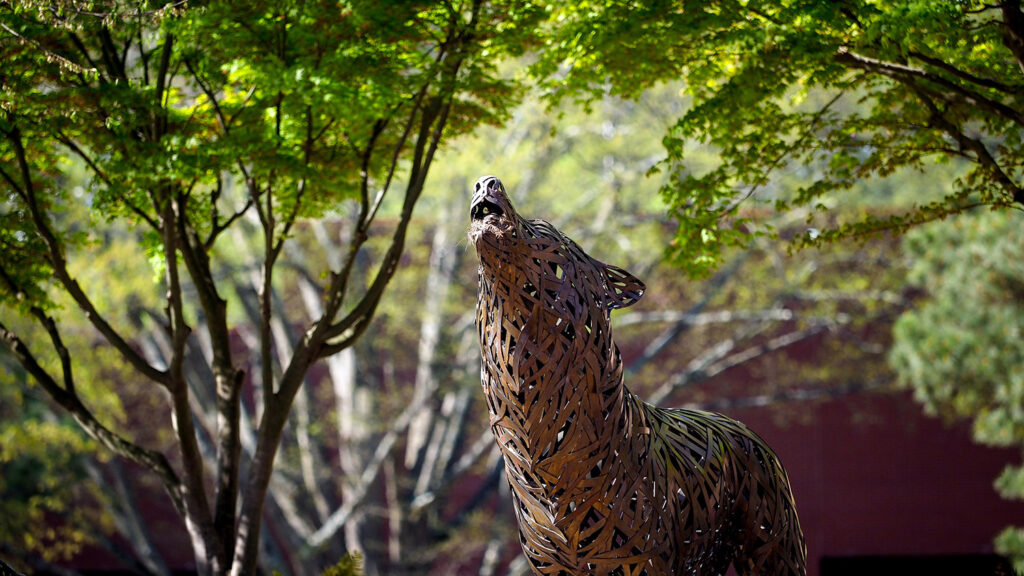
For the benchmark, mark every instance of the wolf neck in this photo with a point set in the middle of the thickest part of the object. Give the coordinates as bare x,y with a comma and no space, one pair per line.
551,400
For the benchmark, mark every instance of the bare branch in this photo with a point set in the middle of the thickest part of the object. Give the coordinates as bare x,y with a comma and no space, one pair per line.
887,296
441,267
372,468
711,289
792,395
704,318
482,446
124,507
718,359
70,401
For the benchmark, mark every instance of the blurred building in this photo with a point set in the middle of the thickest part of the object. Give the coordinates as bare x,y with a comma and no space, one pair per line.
884,490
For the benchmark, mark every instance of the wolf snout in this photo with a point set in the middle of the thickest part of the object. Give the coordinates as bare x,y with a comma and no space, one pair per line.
488,198
485,208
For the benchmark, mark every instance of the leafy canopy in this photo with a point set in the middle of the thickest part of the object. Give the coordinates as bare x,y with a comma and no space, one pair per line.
840,91
290,98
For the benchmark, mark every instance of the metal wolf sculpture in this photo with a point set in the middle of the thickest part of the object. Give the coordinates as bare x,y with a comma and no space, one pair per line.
602,482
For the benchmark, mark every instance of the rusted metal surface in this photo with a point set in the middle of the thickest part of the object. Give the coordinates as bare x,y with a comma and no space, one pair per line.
603,482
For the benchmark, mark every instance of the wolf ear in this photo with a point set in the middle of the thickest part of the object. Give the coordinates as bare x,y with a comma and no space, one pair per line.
623,289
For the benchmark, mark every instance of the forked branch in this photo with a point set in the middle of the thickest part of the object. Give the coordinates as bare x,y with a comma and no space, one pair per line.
68,399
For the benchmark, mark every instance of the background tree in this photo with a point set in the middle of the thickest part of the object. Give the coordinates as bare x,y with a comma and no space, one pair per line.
960,348
189,119
854,91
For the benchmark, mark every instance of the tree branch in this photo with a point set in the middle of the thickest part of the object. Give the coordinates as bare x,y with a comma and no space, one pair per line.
792,395
704,318
371,469
227,379
59,347
110,59
126,511
906,74
349,329
50,54
77,41
718,359
67,399
74,147
681,326
1013,29
217,228
809,129
162,81
982,155
967,76
266,217
205,538
55,256
225,125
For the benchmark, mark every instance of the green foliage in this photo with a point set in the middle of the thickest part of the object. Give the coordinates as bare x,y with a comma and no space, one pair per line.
349,565
300,101
961,350
1010,543
840,91
46,506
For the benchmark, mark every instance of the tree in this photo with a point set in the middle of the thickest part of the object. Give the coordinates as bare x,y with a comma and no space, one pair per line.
960,349
851,92
189,119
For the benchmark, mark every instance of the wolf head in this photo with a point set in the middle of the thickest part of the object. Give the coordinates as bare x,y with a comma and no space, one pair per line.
532,258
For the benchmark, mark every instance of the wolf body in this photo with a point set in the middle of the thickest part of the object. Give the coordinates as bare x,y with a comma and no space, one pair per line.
604,483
